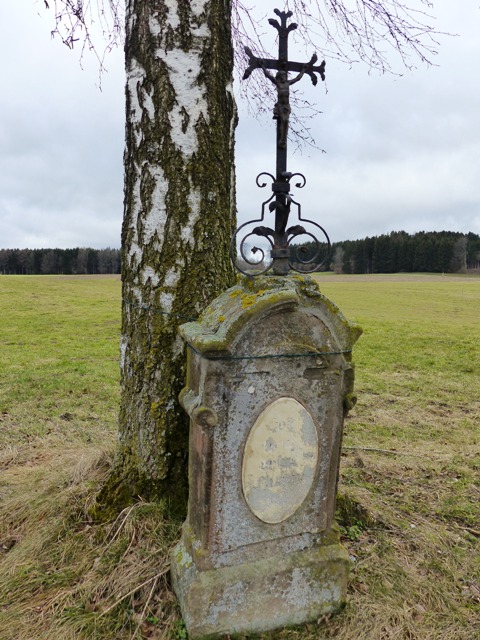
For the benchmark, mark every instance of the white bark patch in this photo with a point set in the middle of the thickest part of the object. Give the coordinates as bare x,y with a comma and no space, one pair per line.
135,254
150,274
194,202
134,250
187,235
171,278
124,359
178,346
166,301
184,69
148,105
131,15
190,99
135,297
154,220
135,79
169,285
123,351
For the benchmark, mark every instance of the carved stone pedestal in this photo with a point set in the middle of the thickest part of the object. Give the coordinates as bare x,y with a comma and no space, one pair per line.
269,381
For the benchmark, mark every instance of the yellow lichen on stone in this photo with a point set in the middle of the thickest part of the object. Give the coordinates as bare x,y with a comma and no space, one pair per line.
248,300
183,558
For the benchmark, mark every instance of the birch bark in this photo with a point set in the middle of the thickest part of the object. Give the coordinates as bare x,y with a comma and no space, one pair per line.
179,214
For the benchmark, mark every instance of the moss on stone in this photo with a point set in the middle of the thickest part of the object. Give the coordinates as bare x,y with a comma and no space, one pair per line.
223,320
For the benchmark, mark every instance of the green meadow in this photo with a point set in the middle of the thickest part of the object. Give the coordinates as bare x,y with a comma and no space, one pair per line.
409,491
59,374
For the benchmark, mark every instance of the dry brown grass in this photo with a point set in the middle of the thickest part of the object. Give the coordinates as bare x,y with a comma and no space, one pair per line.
64,576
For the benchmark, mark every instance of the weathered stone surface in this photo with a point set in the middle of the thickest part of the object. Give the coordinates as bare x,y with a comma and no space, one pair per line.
279,460
272,592
221,327
269,376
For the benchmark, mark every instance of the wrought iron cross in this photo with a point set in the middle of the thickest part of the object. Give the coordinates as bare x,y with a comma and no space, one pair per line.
283,65
281,201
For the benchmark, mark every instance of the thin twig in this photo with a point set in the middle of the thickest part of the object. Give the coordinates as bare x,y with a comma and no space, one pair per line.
127,511
132,591
146,606
473,532
389,451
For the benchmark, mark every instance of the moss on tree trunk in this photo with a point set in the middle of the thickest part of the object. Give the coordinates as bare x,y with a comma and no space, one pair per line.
178,219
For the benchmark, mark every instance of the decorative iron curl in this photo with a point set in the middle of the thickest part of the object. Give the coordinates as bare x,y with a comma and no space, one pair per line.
296,261
299,185
264,184
316,261
243,255
257,231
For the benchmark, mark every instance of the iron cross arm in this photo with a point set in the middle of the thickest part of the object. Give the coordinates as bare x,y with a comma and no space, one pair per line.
285,65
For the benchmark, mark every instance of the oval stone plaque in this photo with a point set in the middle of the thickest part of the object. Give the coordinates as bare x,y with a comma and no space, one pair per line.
279,460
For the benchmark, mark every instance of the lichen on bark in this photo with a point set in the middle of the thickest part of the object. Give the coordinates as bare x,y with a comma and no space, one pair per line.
179,214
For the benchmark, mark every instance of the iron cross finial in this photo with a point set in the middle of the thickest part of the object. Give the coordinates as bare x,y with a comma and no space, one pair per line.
283,254
283,66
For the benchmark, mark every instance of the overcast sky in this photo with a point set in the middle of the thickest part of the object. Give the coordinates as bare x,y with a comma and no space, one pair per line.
401,152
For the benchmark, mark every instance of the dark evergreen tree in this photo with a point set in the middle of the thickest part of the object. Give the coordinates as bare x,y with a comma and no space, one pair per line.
383,255
435,251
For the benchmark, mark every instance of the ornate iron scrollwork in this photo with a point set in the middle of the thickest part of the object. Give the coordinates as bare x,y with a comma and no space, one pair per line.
306,256
256,248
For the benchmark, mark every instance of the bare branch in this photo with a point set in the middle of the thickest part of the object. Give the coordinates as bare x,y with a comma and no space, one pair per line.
375,32
88,24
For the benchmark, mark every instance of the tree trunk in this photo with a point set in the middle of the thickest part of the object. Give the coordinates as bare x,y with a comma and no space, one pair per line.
179,216
459,257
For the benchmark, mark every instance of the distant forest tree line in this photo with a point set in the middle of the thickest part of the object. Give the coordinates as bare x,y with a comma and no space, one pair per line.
80,261
434,251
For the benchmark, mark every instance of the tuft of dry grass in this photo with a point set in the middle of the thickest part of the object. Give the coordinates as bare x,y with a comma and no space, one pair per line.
63,576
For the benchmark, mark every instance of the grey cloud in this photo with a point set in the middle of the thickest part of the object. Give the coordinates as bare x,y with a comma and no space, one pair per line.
402,152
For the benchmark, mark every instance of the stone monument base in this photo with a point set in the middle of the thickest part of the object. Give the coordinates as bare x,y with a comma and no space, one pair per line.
270,593
269,382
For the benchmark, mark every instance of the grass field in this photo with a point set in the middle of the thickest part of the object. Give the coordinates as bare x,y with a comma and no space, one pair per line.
410,488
